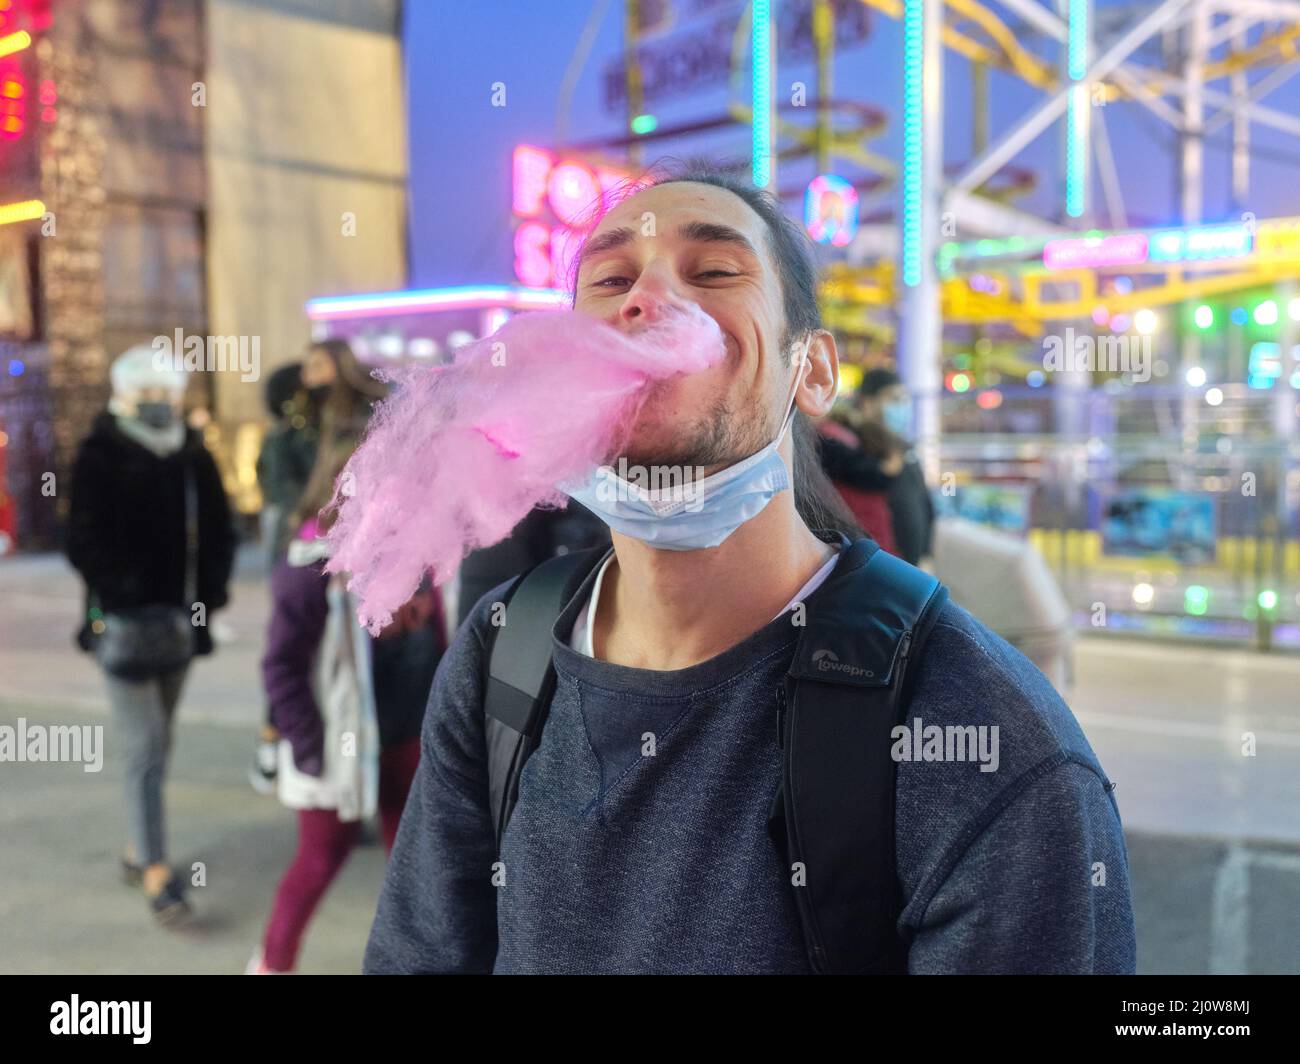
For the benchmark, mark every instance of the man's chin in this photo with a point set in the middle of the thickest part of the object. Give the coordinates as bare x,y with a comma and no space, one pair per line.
657,444
655,460
664,439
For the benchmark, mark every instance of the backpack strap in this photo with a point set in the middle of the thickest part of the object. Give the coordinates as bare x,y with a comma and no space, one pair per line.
520,679
834,814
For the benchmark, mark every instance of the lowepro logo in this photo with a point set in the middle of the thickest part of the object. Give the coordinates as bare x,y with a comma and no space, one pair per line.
825,660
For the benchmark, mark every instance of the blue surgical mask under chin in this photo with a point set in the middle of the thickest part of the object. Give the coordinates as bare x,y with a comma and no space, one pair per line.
690,516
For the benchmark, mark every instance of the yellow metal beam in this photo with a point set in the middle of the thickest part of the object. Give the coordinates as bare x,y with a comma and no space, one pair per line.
1024,63
1008,55
1269,50
845,288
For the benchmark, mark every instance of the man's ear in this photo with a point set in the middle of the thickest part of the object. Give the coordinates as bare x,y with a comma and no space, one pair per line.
821,380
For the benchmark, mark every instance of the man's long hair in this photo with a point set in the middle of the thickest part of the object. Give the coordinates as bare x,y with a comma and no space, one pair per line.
815,498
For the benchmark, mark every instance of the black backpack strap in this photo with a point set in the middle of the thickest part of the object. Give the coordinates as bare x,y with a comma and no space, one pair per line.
520,679
844,694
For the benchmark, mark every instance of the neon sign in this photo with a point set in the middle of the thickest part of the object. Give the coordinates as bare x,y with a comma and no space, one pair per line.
555,200
1278,239
428,300
830,210
1200,243
1122,249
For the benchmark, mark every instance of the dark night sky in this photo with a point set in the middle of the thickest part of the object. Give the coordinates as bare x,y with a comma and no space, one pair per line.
460,145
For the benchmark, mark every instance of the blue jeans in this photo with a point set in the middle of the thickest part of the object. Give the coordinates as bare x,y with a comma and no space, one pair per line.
142,714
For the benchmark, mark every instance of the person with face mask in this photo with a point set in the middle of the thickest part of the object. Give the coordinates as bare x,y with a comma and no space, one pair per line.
674,755
150,531
884,405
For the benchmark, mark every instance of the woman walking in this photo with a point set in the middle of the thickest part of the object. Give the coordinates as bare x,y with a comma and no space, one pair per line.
150,532
348,710
329,387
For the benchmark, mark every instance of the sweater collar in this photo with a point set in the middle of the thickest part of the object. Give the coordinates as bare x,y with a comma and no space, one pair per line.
777,636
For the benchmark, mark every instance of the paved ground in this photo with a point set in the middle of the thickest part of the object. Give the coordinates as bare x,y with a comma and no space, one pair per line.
1214,837
63,909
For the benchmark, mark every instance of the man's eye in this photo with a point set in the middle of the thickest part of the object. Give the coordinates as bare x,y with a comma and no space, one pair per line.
717,273
605,281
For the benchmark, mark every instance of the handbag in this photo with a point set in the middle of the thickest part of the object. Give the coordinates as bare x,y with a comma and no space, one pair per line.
144,641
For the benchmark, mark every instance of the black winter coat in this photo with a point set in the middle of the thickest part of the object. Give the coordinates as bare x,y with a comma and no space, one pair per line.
126,525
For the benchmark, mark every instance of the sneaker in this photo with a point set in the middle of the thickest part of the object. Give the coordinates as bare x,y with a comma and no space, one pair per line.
257,966
266,760
132,873
169,904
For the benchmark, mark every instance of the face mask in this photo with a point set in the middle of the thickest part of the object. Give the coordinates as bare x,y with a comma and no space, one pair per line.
156,415
898,417
696,515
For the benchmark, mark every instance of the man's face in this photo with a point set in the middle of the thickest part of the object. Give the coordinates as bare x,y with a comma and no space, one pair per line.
692,243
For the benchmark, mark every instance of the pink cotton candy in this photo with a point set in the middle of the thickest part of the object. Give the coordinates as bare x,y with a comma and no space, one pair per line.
459,454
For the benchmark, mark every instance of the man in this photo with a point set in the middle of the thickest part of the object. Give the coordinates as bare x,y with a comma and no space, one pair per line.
883,403
640,839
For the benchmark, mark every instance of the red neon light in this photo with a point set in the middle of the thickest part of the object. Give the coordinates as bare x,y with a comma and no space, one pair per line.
532,254
572,193
11,89
611,183
49,114
565,244
531,166
48,93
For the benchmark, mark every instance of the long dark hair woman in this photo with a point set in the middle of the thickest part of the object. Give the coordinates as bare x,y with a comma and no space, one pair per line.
347,709
150,532
335,395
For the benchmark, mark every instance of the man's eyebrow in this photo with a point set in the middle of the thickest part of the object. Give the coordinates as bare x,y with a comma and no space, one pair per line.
700,232
713,233
615,238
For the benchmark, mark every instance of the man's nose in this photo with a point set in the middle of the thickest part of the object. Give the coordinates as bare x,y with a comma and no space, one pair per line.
648,300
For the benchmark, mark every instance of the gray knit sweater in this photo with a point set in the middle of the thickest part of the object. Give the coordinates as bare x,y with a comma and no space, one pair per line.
615,861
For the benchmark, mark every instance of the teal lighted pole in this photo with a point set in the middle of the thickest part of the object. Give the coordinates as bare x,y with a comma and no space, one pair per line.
1078,114
920,330
763,52
913,93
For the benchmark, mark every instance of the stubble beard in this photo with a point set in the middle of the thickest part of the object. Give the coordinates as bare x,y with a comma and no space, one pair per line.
721,438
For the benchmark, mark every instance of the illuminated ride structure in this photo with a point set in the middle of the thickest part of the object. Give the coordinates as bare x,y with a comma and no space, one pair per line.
1126,398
